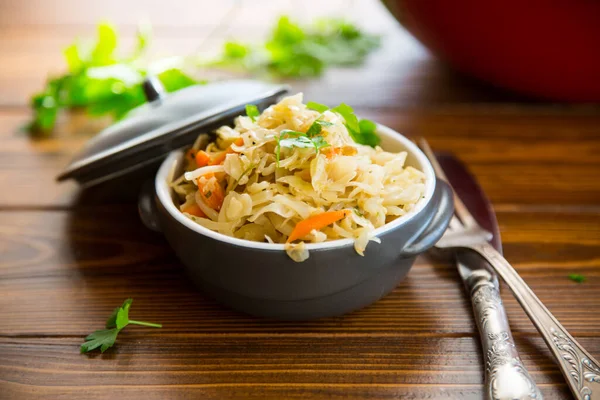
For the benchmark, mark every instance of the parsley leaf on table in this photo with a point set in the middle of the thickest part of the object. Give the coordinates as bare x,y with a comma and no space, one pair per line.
577,278
99,82
302,51
105,338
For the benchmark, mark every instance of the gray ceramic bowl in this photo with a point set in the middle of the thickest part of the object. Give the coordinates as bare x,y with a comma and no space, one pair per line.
260,279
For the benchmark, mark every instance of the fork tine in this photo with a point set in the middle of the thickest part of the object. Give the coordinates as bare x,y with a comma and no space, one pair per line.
459,208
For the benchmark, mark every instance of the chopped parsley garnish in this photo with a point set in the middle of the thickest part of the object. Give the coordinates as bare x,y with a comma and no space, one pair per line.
289,138
317,127
362,131
317,106
105,338
208,194
577,278
252,112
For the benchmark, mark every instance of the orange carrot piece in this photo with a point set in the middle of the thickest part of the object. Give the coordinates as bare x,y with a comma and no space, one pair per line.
202,158
220,158
330,152
194,210
317,222
211,191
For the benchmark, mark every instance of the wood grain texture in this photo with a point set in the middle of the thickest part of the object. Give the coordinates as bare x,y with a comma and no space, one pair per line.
68,257
255,366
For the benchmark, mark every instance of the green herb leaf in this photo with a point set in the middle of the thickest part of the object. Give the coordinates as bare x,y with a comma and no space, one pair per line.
293,50
348,114
100,83
252,112
102,54
235,50
119,316
104,339
174,79
317,106
316,127
363,131
319,142
289,138
367,134
577,278
73,58
118,319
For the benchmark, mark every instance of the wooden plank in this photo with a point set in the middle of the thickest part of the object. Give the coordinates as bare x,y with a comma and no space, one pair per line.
81,264
67,257
266,366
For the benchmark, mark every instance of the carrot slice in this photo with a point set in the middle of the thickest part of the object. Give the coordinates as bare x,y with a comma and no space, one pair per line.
220,158
317,222
202,158
211,191
331,152
194,210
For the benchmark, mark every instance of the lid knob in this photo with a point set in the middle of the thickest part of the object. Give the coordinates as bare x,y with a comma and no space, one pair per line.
153,88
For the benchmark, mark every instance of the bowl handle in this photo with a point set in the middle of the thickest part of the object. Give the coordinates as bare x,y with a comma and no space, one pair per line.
438,224
147,206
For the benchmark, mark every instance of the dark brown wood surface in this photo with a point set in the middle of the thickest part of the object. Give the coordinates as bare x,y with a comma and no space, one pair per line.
67,257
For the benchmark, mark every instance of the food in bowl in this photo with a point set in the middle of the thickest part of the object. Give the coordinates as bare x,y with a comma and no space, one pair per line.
297,173
260,279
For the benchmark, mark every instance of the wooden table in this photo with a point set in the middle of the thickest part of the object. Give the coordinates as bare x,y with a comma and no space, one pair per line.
67,258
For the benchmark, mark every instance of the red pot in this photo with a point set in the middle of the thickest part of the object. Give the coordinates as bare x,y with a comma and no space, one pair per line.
547,48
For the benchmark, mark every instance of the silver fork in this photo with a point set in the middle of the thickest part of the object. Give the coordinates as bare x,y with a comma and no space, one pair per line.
580,369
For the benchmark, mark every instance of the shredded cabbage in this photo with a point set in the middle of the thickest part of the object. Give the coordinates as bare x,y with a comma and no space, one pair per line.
269,186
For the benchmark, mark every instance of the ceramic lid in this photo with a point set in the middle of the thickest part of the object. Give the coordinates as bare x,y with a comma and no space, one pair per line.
167,122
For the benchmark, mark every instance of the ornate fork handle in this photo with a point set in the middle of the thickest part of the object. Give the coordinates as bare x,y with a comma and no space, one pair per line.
580,369
506,377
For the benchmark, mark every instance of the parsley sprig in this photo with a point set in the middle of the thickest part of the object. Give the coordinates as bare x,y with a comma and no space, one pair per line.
293,50
578,278
101,83
289,138
105,338
362,131
252,112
